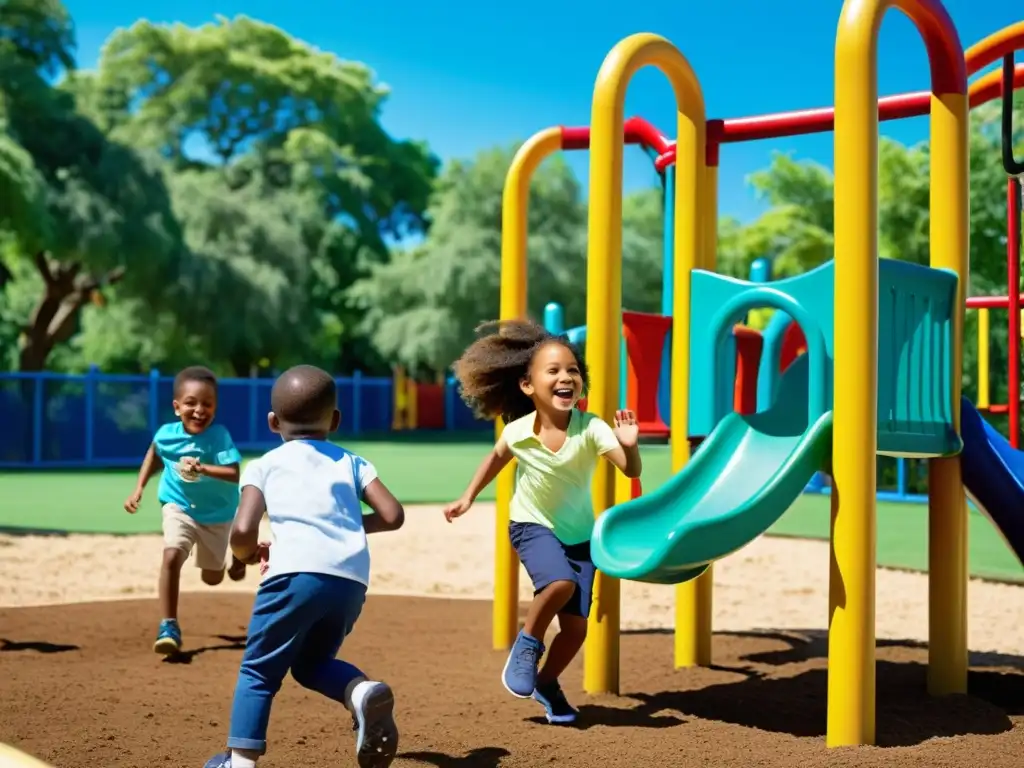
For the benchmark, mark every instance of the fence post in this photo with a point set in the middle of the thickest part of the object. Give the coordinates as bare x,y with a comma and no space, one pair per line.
154,394
357,402
90,411
37,418
901,477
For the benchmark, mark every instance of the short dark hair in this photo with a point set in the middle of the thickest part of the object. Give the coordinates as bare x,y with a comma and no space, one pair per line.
198,373
304,395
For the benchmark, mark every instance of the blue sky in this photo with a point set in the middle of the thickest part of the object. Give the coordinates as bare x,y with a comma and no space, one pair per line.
466,76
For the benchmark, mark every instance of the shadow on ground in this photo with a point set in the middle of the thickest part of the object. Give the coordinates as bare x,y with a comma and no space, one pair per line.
784,690
39,646
482,757
231,643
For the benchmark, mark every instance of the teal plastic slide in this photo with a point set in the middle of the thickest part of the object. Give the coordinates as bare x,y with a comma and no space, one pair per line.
741,480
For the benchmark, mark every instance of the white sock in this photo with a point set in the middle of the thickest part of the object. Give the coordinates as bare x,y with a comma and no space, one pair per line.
244,758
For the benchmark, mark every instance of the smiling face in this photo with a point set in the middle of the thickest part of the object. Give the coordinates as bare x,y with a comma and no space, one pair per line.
555,381
195,404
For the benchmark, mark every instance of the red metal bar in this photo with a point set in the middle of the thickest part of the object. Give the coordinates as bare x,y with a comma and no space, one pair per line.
1013,203
805,121
994,47
636,130
993,302
823,119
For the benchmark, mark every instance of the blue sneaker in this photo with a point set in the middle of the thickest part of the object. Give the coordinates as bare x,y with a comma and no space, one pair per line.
168,639
557,708
520,674
223,760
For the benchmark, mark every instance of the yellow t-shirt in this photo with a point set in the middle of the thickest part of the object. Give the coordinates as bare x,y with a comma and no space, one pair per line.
553,487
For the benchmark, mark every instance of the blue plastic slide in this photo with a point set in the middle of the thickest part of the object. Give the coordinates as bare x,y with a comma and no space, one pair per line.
993,473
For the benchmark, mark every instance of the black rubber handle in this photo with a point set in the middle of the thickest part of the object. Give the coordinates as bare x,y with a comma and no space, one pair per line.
1010,164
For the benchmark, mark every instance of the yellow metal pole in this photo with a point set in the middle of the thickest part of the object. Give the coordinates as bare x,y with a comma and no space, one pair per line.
851,668
604,283
949,236
851,679
983,370
514,208
695,598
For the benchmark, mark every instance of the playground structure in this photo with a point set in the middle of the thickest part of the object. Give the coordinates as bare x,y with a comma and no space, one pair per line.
823,417
754,360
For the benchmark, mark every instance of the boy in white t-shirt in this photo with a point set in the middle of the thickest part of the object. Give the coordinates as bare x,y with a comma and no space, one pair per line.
316,581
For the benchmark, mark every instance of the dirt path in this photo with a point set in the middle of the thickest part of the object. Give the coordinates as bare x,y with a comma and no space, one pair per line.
83,689
776,583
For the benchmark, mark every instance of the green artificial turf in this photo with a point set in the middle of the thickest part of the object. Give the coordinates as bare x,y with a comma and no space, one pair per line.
419,472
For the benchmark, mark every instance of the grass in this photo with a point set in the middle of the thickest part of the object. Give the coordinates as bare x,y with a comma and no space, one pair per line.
436,472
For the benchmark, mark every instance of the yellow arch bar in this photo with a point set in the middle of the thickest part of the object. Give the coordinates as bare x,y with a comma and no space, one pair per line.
604,285
851,678
514,209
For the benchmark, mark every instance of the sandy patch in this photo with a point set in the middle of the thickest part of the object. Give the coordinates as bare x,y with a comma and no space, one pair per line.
773,582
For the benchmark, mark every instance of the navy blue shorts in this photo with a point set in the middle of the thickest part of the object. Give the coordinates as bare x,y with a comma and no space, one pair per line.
547,560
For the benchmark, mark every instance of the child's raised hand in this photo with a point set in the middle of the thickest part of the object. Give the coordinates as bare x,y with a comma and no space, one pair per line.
131,506
456,509
627,430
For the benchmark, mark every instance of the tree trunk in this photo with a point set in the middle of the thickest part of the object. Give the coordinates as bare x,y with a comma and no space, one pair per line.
55,319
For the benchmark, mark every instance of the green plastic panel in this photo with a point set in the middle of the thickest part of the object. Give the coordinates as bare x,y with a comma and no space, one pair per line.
915,365
718,302
915,342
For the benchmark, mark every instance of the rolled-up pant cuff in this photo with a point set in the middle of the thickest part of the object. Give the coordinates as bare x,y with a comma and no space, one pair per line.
258,745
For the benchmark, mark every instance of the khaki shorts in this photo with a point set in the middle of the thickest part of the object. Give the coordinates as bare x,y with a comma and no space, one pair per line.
182,532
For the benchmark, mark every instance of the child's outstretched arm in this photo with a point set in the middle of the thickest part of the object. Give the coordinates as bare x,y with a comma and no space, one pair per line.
489,468
229,473
626,454
388,513
150,466
227,460
245,529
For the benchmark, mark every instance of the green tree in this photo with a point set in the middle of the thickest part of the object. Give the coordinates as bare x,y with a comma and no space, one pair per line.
246,99
90,207
421,308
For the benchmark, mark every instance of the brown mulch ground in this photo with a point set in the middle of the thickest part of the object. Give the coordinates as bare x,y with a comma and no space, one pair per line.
81,688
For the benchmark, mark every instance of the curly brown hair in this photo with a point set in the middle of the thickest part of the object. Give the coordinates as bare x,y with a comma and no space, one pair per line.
491,368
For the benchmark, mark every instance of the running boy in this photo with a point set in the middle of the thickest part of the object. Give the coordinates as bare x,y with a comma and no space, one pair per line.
316,580
533,380
198,492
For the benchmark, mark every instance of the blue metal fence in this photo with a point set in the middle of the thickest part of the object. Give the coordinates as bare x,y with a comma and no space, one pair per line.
107,420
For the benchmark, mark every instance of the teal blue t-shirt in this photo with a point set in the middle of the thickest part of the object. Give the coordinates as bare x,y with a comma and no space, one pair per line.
207,500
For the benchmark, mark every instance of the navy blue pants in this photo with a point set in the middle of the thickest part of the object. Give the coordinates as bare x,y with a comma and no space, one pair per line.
548,560
298,623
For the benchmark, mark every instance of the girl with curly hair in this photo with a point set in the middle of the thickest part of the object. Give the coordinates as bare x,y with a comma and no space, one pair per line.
533,380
